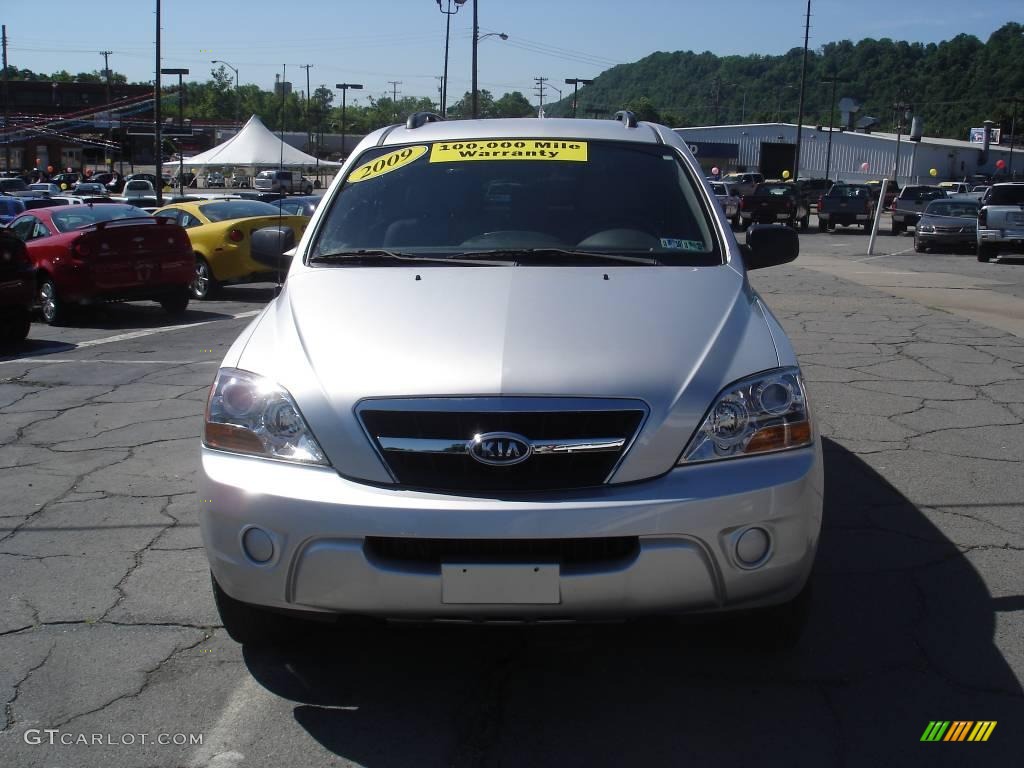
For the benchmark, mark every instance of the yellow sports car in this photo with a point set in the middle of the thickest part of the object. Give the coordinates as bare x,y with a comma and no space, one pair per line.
235,241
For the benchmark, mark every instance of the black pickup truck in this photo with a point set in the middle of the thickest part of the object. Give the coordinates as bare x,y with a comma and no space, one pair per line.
846,204
910,205
775,203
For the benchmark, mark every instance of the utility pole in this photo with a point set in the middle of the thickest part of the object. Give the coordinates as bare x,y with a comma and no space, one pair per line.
394,94
7,101
344,88
902,111
1013,132
309,131
157,117
716,93
800,108
540,81
831,118
106,72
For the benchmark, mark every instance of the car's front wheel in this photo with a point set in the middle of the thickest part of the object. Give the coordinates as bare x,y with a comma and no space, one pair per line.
248,624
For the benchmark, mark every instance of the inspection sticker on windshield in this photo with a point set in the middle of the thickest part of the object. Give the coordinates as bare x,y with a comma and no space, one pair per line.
508,149
682,245
386,163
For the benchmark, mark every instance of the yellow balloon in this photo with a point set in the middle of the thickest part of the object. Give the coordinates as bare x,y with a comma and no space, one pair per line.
785,174
934,172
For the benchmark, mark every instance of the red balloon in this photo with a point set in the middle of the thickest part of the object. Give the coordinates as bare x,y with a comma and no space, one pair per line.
49,169
1000,164
88,172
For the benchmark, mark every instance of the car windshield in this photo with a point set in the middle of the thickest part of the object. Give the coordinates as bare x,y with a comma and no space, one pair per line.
13,185
78,216
1011,194
720,189
237,209
461,197
952,208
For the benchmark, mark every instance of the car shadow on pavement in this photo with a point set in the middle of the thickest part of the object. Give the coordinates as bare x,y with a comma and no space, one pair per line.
34,348
901,633
135,316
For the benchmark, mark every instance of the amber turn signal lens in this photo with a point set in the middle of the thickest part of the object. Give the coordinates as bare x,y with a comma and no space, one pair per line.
231,438
779,437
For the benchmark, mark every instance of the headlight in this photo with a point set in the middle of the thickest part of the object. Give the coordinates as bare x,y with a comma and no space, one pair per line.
247,413
767,412
926,228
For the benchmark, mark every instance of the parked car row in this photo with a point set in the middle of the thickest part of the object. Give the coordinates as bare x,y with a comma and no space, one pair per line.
62,254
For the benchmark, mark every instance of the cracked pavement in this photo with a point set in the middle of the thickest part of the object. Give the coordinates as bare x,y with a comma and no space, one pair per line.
108,626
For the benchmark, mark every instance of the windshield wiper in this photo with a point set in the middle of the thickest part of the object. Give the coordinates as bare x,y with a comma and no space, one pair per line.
377,255
556,255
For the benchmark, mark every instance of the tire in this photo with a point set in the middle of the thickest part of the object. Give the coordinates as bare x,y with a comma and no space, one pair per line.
52,307
919,246
987,251
735,221
898,228
14,328
176,303
805,223
204,285
247,624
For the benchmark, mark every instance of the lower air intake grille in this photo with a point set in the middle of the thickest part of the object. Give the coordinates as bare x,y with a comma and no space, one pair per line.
564,551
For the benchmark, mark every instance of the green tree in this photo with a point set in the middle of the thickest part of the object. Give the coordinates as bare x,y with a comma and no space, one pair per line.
513,105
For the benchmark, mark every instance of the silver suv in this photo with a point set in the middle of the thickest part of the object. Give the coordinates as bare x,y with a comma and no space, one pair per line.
516,373
287,182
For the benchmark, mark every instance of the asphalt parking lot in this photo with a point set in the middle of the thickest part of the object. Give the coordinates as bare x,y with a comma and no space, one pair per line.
916,367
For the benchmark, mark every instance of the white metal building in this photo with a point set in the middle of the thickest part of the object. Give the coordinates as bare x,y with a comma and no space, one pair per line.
769,148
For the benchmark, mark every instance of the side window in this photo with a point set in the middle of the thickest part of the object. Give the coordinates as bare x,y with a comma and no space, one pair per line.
24,227
188,220
41,230
171,215
291,209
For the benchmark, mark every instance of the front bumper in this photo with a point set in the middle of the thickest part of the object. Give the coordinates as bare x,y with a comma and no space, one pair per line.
686,522
946,238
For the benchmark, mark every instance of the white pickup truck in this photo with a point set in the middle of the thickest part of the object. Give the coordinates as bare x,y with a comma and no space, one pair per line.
1001,220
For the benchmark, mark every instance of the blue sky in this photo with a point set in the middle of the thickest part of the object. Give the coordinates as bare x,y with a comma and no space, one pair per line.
374,41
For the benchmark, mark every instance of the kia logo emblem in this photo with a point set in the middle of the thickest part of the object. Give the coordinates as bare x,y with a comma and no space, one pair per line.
499,449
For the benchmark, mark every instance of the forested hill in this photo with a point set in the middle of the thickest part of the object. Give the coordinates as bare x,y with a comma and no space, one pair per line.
952,85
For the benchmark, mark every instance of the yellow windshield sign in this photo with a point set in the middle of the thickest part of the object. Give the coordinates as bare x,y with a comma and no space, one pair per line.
386,163
508,149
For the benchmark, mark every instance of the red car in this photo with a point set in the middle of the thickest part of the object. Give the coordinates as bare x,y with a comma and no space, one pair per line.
86,254
17,290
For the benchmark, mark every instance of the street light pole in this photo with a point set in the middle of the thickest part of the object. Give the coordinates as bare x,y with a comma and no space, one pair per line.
343,87
238,96
447,37
106,72
576,82
181,123
476,42
800,109
157,117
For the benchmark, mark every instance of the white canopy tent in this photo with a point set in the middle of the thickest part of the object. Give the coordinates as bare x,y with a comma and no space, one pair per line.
255,145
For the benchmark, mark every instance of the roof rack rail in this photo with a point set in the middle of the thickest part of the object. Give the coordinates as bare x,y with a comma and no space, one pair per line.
417,119
626,117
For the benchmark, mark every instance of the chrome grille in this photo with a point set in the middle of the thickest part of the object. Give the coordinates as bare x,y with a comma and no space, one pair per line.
426,443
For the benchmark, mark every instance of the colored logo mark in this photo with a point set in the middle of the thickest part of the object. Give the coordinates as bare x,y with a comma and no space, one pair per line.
958,730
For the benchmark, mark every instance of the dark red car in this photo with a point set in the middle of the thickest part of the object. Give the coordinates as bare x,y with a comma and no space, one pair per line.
17,290
87,254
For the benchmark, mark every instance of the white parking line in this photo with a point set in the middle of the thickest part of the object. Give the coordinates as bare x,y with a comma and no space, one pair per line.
126,337
161,329
886,255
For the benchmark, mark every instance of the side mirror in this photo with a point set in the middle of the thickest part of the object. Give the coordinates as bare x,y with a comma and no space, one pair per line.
769,245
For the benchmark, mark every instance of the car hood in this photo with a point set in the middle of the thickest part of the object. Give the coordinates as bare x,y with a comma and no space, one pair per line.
671,337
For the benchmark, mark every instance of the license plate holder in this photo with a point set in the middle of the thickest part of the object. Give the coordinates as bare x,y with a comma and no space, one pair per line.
500,583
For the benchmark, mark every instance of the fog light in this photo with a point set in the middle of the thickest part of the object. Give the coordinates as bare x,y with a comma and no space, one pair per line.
258,545
752,546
